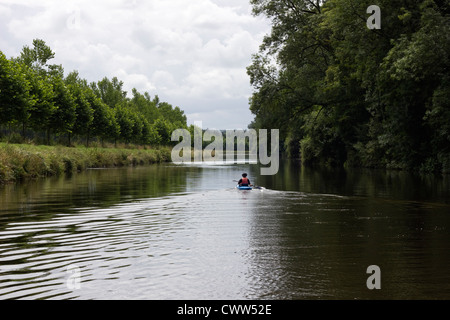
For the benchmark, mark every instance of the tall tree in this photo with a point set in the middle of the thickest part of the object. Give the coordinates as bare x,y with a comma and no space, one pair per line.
143,104
15,98
63,119
110,91
84,112
126,122
104,125
38,57
44,102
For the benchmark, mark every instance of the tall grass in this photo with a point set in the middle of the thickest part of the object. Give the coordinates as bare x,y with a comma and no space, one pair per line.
22,161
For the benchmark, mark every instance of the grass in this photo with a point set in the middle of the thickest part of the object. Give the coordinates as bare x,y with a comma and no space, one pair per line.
20,162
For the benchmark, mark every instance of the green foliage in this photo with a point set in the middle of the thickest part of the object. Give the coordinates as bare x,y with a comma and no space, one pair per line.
126,121
63,118
143,104
15,98
44,103
84,111
38,56
175,116
105,124
164,130
149,133
110,91
343,94
35,95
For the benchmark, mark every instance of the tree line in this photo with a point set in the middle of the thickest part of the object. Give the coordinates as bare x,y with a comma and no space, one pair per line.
36,97
342,94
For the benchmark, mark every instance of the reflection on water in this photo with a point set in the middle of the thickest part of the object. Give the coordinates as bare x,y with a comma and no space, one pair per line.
184,232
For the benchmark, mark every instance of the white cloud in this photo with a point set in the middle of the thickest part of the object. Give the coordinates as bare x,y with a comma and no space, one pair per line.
4,11
192,54
135,80
164,80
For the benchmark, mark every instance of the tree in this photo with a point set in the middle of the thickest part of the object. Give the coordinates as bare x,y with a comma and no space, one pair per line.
63,119
110,91
125,121
37,58
437,121
164,131
149,133
143,104
84,111
15,98
138,126
173,115
44,103
104,124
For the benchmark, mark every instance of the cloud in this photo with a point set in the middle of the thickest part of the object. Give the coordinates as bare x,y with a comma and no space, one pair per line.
192,54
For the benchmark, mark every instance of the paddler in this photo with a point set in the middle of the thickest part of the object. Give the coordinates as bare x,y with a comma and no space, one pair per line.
244,181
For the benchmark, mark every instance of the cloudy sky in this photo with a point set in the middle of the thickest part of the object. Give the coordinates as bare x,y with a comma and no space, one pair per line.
191,53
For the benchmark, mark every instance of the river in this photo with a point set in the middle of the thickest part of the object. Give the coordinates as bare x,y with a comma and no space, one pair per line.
184,232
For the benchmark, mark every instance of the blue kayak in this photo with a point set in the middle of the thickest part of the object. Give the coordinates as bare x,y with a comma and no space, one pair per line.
244,187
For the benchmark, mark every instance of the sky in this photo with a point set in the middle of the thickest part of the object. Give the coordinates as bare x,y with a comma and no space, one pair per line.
191,53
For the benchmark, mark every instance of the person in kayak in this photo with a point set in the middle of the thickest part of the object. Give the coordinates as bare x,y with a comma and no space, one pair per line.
244,181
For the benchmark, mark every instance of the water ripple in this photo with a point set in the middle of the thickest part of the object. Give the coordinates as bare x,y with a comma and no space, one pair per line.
213,244
145,242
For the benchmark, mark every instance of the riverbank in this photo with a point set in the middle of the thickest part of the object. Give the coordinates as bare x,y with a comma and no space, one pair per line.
20,162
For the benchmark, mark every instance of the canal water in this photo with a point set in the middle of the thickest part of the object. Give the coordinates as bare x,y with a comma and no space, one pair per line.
186,232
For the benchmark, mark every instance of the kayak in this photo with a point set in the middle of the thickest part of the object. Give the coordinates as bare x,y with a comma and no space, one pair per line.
244,187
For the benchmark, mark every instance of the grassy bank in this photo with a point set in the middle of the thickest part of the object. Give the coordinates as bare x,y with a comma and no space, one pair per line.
22,161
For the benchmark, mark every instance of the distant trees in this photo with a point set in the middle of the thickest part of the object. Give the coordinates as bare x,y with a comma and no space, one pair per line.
36,96
341,93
